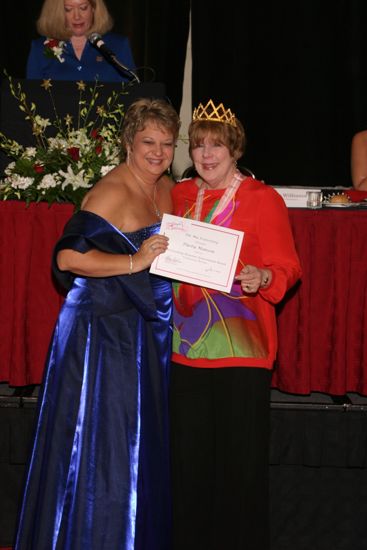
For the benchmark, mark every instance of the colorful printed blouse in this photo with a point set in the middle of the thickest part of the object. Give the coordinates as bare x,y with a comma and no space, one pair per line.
214,329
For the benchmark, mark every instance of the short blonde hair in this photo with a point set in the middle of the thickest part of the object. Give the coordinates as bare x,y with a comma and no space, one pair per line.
51,22
233,137
147,110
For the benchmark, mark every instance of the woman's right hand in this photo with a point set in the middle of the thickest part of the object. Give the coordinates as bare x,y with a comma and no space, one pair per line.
149,250
96,263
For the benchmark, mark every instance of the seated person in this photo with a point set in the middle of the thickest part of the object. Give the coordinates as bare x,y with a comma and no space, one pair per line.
63,51
359,160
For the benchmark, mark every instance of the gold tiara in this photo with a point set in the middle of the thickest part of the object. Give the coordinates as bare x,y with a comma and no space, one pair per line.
214,114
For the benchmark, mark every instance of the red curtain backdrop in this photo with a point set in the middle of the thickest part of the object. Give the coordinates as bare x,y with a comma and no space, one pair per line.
322,322
29,301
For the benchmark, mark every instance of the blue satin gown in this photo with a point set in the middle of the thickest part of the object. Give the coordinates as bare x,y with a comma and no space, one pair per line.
98,476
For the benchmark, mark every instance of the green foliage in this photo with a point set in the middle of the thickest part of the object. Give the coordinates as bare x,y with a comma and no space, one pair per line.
68,159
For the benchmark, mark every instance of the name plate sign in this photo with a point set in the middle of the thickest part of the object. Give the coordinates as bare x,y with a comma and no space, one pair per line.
295,197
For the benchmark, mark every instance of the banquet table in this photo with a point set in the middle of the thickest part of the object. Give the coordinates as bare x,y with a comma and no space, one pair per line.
322,322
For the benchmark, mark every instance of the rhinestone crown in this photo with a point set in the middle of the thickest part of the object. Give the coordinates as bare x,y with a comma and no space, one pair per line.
214,114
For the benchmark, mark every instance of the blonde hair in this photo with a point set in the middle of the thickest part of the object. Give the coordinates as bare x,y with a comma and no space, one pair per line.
233,137
51,22
147,110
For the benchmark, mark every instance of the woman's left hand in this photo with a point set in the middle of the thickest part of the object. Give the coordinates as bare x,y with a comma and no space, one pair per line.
251,278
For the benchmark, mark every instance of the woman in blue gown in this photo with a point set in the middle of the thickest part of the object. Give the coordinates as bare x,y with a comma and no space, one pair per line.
98,476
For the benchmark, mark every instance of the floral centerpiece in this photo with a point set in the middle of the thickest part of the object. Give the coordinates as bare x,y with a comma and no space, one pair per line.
68,157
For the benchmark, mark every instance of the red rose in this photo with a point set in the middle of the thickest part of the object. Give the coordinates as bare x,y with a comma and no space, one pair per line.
53,43
73,152
95,134
98,149
38,168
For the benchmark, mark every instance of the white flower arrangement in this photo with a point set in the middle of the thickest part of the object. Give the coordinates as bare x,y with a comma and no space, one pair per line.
62,167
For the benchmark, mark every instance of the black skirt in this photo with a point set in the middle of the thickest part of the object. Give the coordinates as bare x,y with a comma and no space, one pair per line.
220,422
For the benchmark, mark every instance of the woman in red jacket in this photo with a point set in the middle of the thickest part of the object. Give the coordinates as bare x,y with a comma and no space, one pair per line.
224,347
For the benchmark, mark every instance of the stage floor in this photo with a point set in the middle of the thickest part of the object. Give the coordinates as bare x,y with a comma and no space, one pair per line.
315,398
317,468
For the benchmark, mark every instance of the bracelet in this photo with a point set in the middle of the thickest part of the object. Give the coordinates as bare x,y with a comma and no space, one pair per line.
130,264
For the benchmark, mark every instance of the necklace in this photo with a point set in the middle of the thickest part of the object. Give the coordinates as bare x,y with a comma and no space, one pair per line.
226,197
152,199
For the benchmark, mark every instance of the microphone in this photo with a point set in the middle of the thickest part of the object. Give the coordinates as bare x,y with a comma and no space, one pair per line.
97,41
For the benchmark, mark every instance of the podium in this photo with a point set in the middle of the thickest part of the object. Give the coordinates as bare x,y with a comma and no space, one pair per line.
64,101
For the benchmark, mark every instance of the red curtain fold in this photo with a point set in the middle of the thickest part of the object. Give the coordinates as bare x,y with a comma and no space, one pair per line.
322,325
29,301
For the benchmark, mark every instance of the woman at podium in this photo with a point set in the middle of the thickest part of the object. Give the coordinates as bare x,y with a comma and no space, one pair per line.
64,52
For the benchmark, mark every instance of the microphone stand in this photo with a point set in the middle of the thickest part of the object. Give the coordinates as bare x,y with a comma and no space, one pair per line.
120,67
97,41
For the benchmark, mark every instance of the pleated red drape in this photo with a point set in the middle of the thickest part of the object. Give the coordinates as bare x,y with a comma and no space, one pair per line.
322,323
29,301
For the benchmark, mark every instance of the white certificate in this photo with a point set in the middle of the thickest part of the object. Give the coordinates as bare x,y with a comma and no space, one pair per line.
199,253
